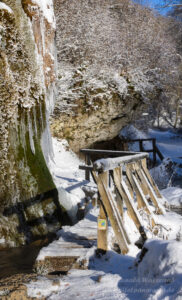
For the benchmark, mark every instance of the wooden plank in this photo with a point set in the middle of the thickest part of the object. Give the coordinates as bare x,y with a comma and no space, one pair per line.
88,162
118,208
125,194
144,201
119,202
102,233
130,169
147,188
111,213
159,153
143,184
128,185
116,211
90,168
149,177
105,152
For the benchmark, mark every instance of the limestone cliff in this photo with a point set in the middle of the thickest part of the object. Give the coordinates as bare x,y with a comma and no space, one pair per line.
29,206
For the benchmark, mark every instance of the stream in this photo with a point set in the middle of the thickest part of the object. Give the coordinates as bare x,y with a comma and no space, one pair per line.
17,260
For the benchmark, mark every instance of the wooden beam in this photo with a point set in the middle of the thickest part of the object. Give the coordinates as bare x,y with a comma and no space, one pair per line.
107,201
149,177
103,165
107,152
130,169
125,194
118,207
88,162
102,230
147,188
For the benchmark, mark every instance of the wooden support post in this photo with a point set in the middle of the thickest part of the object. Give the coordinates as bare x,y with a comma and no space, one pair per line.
119,202
149,177
102,230
125,194
118,208
147,188
130,169
88,163
108,204
141,145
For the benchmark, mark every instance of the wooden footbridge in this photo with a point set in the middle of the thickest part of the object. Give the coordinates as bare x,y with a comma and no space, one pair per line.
123,180
124,183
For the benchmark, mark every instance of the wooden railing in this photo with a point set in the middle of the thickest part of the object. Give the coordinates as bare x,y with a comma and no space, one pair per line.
155,150
133,187
92,155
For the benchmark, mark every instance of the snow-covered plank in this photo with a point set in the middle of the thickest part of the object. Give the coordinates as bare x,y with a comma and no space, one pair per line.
103,165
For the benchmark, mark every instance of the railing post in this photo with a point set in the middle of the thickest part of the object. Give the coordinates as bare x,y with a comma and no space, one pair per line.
102,224
88,162
141,145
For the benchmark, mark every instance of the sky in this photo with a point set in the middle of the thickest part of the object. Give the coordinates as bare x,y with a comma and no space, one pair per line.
155,4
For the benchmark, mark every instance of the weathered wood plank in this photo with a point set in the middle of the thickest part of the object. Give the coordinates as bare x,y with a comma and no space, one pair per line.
105,152
144,201
125,194
118,208
102,233
147,188
130,170
149,177
106,198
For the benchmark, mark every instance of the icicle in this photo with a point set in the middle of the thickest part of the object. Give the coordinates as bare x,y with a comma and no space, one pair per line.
31,133
34,120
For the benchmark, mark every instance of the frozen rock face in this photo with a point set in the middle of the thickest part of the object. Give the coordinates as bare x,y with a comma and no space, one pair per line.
29,206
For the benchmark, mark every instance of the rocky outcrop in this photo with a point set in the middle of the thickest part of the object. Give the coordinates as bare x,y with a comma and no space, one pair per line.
29,205
98,114
112,58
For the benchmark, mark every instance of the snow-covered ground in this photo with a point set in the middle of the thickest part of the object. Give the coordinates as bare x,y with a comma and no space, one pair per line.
169,172
118,277
68,178
115,277
169,143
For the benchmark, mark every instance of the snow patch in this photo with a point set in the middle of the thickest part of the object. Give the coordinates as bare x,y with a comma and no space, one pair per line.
5,7
163,258
173,195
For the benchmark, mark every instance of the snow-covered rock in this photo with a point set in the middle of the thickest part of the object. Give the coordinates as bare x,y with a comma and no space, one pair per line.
163,259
